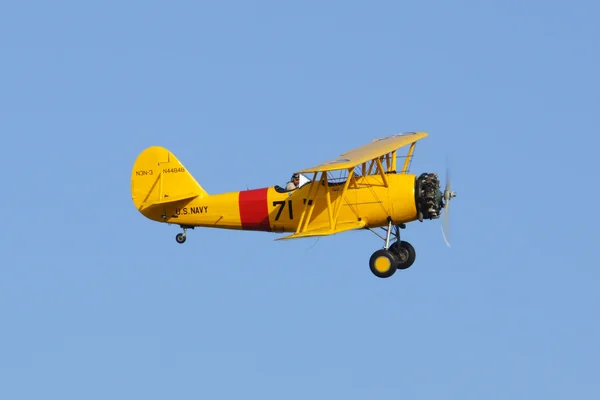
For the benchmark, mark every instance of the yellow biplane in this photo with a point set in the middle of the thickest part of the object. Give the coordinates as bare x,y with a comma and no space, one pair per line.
370,192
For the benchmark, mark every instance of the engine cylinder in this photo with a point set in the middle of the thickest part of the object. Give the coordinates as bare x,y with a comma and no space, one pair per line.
428,196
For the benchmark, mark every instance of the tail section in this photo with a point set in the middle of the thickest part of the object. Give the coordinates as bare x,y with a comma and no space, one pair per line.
158,178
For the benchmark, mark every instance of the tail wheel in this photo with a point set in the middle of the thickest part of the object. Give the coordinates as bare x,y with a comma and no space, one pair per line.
383,263
180,238
405,254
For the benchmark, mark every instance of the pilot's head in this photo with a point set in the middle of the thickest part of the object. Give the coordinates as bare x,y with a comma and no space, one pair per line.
296,179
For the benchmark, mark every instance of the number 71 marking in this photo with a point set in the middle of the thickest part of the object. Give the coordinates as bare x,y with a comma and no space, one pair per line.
281,205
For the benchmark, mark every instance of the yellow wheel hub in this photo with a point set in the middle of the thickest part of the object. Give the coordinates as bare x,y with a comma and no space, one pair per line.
382,264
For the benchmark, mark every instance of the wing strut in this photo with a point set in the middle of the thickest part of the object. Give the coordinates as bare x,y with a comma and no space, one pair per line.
333,209
408,157
328,199
309,206
340,199
382,172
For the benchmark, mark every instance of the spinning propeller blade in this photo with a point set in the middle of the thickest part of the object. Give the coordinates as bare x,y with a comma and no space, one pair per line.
448,194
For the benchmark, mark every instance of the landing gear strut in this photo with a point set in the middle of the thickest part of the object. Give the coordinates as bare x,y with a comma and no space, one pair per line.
180,237
398,255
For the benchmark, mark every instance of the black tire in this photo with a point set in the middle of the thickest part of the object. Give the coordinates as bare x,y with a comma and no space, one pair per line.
180,238
383,263
405,254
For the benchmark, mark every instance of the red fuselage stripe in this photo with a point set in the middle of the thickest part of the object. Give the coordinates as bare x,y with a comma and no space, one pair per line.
254,212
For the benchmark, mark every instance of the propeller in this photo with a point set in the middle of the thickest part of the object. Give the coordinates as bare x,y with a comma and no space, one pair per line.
448,194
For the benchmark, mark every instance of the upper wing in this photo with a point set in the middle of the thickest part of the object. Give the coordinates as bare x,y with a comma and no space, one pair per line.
367,152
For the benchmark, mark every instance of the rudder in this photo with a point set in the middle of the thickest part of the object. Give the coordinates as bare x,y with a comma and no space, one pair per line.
158,177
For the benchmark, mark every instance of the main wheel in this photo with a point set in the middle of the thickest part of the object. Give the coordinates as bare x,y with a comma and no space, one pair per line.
383,263
180,238
405,254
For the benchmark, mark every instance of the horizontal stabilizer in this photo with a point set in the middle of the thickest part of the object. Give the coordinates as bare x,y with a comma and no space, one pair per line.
167,199
347,226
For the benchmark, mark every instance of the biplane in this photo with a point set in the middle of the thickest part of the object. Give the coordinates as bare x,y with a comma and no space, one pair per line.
365,188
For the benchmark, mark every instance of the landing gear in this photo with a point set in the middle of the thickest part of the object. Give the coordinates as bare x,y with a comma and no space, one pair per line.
383,263
398,255
405,253
180,237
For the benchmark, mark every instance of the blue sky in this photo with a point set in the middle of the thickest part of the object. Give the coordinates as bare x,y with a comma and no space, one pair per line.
97,302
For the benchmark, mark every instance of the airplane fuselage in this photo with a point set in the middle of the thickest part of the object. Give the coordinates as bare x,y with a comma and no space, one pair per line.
366,198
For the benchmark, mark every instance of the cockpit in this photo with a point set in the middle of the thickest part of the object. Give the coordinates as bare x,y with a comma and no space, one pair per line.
302,180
